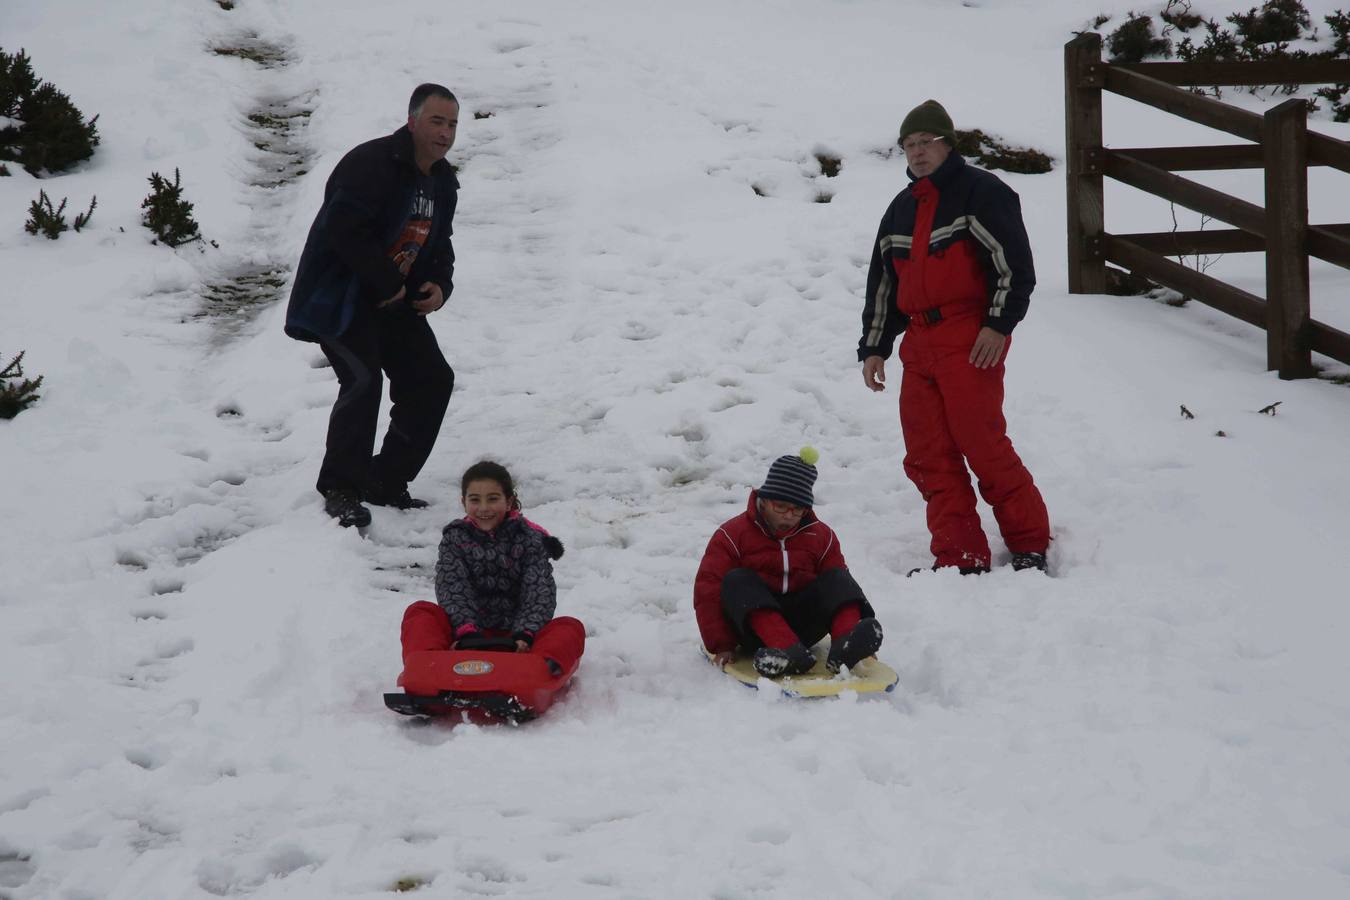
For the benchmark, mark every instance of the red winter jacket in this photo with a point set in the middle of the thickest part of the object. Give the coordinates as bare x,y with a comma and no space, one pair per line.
786,564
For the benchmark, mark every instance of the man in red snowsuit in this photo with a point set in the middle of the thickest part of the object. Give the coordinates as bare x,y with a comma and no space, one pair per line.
774,582
952,270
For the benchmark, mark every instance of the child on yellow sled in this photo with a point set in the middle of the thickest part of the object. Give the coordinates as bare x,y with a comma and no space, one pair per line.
773,581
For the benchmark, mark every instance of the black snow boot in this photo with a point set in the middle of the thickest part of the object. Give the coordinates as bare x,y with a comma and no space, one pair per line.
774,661
861,642
1022,561
380,494
344,505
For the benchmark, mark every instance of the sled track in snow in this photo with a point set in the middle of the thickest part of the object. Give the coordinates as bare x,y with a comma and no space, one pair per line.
274,125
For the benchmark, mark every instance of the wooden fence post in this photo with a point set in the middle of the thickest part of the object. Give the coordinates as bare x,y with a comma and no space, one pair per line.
1086,214
1284,140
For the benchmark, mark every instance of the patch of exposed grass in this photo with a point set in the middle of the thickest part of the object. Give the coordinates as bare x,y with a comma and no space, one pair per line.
991,153
253,48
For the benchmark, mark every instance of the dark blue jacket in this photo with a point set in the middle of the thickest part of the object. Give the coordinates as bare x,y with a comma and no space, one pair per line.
346,261
976,249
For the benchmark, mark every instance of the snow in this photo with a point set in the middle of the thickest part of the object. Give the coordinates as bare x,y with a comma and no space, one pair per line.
193,654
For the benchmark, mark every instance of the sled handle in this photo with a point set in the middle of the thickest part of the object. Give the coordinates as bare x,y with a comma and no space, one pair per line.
487,642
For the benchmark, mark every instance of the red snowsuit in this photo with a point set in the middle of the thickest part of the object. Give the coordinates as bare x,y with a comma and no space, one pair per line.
951,257
786,565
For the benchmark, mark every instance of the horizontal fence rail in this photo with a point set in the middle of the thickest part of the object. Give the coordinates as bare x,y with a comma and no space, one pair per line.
1279,143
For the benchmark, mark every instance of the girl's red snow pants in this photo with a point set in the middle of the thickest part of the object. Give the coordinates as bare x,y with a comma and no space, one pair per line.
427,627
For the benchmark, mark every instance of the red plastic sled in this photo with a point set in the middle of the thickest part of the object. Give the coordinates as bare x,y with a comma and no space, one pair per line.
484,684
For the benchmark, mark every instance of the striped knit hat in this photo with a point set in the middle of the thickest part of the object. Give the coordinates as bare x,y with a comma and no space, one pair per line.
791,478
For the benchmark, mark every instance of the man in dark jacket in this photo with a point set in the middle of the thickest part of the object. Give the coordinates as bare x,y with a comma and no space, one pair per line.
952,270
377,262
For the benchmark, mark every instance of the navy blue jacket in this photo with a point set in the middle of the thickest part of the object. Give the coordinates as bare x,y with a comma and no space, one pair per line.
346,261
974,250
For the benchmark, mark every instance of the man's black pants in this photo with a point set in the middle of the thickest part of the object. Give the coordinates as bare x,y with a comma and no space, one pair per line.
400,344
808,611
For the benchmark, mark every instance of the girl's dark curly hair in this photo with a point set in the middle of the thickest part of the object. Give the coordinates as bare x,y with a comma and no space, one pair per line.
487,469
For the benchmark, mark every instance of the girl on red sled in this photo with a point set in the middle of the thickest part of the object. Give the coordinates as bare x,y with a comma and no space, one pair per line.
494,587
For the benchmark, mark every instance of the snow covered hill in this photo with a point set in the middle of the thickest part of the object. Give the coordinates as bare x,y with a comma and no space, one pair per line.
652,302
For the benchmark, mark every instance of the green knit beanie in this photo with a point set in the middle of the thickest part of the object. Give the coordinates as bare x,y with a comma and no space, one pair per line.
929,116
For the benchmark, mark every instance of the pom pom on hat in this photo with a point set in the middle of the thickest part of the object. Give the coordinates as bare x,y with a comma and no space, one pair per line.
810,455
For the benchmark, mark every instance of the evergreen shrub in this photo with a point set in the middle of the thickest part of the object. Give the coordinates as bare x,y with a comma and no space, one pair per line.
167,214
16,392
52,134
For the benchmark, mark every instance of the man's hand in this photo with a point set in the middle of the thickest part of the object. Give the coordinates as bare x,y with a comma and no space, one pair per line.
402,292
988,348
522,647
432,299
874,373
724,659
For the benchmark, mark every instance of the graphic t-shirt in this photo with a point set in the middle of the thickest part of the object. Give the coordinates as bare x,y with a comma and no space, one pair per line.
415,230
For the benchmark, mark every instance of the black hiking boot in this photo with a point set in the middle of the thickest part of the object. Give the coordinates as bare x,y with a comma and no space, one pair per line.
1022,561
380,494
344,505
862,641
772,662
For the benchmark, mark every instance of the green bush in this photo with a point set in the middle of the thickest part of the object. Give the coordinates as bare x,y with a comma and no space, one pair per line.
1135,41
16,81
16,392
167,214
43,219
1177,16
52,135
1339,23
1274,22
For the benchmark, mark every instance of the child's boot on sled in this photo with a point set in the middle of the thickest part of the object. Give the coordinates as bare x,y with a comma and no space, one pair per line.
861,642
772,662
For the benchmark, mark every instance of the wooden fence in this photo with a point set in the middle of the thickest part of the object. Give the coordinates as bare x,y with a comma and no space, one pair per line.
1281,145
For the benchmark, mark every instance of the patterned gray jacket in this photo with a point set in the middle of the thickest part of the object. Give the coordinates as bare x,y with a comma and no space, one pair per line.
500,579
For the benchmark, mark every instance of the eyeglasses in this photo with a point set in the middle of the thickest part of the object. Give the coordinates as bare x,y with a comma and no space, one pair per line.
784,508
914,144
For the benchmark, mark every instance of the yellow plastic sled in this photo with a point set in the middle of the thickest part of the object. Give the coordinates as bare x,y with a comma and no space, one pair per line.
871,676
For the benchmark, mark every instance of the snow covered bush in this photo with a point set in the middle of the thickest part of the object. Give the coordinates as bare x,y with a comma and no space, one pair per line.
1135,41
46,220
167,214
16,81
51,134
1265,32
16,392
